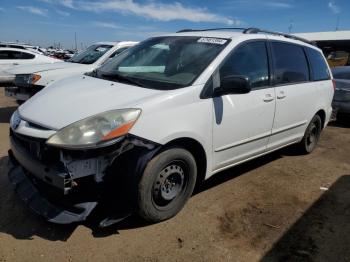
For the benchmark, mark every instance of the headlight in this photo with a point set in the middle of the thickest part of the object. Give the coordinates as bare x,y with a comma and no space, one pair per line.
29,79
95,131
15,120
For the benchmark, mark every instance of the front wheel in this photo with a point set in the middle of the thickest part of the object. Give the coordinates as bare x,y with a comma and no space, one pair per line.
311,136
166,184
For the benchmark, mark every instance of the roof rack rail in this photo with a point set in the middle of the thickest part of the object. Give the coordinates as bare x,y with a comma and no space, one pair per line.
211,29
251,30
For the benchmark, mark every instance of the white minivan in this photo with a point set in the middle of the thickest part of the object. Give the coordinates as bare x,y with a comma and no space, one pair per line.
137,134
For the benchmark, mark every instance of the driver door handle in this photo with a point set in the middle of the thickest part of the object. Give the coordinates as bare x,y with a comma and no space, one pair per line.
268,98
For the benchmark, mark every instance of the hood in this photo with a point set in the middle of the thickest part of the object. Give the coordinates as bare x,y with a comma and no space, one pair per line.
29,69
75,98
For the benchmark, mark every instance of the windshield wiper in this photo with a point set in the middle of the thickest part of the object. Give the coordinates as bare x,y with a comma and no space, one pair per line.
121,78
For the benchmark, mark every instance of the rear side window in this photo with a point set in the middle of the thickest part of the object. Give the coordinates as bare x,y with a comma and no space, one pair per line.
27,56
318,65
15,55
290,63
10,55
249,60
4,55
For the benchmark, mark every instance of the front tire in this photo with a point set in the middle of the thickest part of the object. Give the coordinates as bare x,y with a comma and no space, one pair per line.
311,136
166,184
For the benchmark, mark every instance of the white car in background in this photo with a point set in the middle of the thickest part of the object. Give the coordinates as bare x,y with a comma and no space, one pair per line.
31,79
35,49
11,57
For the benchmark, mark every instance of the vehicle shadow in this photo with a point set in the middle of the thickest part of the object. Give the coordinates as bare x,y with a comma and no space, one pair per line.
5,113
323,231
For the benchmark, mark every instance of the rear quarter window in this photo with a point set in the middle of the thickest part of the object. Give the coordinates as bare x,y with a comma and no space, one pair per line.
319,67
4,55
290,63
27,56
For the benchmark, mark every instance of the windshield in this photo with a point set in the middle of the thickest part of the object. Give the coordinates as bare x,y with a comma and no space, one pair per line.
164,62
90,55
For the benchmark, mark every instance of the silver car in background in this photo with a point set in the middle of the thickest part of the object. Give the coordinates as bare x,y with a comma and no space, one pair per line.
341,100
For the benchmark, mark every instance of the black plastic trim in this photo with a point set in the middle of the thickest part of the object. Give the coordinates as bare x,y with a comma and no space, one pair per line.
31,196
45,173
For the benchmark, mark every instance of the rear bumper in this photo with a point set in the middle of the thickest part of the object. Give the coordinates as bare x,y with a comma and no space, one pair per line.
342,107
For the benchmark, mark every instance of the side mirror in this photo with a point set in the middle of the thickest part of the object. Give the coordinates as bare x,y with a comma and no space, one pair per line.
233,85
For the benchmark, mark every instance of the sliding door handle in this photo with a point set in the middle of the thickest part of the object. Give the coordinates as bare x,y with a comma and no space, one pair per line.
281,95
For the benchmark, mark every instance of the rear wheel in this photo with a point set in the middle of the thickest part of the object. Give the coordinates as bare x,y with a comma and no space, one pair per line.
166,184
311,136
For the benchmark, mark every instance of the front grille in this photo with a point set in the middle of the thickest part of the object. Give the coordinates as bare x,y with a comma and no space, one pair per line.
38,149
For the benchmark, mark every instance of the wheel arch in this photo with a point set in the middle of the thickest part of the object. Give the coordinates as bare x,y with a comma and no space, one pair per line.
322,114
196,149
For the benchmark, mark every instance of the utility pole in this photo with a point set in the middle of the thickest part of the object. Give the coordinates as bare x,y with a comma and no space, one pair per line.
75,40
290,27
337,24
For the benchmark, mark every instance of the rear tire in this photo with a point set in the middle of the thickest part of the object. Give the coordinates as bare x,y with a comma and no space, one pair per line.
166,184
311,136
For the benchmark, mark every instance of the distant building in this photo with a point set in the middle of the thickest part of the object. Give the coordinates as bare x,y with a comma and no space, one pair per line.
335,45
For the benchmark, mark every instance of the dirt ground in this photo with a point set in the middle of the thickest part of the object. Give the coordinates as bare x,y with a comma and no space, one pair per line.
275,208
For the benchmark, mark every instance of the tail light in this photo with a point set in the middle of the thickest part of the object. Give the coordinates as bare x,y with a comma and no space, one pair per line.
334,84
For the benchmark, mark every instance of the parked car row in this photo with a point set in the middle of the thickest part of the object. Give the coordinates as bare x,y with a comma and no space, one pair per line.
60,53
32,78
137,133
51,51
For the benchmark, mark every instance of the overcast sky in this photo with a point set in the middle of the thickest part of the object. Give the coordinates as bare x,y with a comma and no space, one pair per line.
47,21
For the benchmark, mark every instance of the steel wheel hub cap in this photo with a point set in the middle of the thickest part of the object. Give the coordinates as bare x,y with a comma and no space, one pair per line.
169,182
311,139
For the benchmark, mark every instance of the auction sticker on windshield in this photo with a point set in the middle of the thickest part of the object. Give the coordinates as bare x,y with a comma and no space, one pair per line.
217,41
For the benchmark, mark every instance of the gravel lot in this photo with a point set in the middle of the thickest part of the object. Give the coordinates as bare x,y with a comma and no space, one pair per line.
271,209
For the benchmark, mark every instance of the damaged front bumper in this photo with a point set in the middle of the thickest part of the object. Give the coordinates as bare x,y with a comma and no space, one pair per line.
26,190
67,186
